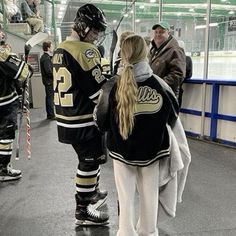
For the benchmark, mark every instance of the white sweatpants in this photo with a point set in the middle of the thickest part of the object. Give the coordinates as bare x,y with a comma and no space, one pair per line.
146,179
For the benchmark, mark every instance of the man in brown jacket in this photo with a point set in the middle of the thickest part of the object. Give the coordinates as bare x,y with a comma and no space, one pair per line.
167,59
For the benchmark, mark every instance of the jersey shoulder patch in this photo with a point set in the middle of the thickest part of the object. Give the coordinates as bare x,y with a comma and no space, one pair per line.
86,54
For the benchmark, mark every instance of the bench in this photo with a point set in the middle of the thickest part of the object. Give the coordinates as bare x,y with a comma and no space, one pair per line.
19,28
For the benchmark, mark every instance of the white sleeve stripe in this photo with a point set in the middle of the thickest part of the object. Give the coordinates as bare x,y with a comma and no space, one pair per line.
20,70
9,101
95,95
76,125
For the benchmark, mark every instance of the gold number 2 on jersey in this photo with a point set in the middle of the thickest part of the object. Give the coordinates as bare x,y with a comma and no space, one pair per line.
62,82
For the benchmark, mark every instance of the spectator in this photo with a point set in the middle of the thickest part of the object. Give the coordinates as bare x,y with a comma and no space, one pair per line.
31,15
77,81
12,11
12,70
189,63
189,70
167,59
47,78
140,105
117,63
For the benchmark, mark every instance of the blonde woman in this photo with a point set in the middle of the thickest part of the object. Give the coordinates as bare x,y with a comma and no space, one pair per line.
118,64
140,106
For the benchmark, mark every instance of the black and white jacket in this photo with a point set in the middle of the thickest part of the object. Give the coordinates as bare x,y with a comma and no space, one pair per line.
156,107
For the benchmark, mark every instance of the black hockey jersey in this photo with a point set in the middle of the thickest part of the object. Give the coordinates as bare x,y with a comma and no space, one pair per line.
78,78
11,70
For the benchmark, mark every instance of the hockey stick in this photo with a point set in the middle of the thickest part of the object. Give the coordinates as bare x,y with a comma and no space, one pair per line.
115,38
36,39
112,49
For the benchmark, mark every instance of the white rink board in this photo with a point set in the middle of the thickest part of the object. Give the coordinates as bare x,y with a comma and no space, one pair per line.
226,130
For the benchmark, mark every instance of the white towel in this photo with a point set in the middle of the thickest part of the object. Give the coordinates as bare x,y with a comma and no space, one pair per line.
173,172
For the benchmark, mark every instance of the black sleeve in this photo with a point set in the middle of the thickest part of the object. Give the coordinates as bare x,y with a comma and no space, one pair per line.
174,112
189,67
47,67
101,110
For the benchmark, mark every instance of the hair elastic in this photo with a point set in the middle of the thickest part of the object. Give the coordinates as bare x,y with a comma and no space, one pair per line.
129,65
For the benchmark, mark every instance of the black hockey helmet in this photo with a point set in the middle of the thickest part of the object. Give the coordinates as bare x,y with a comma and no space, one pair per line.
87,17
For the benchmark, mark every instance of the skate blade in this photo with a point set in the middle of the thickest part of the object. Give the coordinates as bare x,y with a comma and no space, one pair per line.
8,178
89,223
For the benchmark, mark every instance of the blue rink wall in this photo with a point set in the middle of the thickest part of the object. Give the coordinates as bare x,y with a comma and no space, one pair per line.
219,91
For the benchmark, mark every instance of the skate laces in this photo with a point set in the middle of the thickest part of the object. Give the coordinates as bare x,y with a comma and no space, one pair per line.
11,170
93,212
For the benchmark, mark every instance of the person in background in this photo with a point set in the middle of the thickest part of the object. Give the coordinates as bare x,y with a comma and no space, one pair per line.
139,106
12,11
12,70
47,78
78,78
189,71
31,15
118,63
166,58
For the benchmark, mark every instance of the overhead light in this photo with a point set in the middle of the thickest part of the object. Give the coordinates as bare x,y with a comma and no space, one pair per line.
152,1
191,10
137,20
63,2
204,26
126,15
231,12
62,8
141,6
114,21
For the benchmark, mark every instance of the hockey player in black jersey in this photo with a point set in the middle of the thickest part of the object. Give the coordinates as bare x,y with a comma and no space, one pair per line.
12,69
78,78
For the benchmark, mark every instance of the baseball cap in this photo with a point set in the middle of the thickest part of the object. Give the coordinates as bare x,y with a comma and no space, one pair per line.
162,24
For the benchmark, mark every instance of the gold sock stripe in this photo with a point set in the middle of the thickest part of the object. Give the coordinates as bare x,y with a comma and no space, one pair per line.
86,181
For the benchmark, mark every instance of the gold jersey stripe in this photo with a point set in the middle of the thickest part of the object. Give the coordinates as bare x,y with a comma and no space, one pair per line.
74,117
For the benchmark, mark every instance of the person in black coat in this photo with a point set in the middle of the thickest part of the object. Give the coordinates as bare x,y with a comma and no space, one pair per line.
47,78
189,71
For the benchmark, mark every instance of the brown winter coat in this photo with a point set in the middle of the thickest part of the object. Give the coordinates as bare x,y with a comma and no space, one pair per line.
168,62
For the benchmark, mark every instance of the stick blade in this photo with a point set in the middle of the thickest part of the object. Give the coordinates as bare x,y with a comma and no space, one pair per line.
34,40
37,38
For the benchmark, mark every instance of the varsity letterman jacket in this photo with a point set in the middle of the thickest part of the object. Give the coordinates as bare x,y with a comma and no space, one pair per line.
156,107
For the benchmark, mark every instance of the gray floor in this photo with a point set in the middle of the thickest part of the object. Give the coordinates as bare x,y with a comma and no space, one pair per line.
42,202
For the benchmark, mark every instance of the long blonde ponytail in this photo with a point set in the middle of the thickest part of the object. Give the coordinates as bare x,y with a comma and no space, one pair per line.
133,50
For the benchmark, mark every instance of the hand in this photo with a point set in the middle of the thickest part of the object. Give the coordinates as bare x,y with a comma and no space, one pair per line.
31,69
